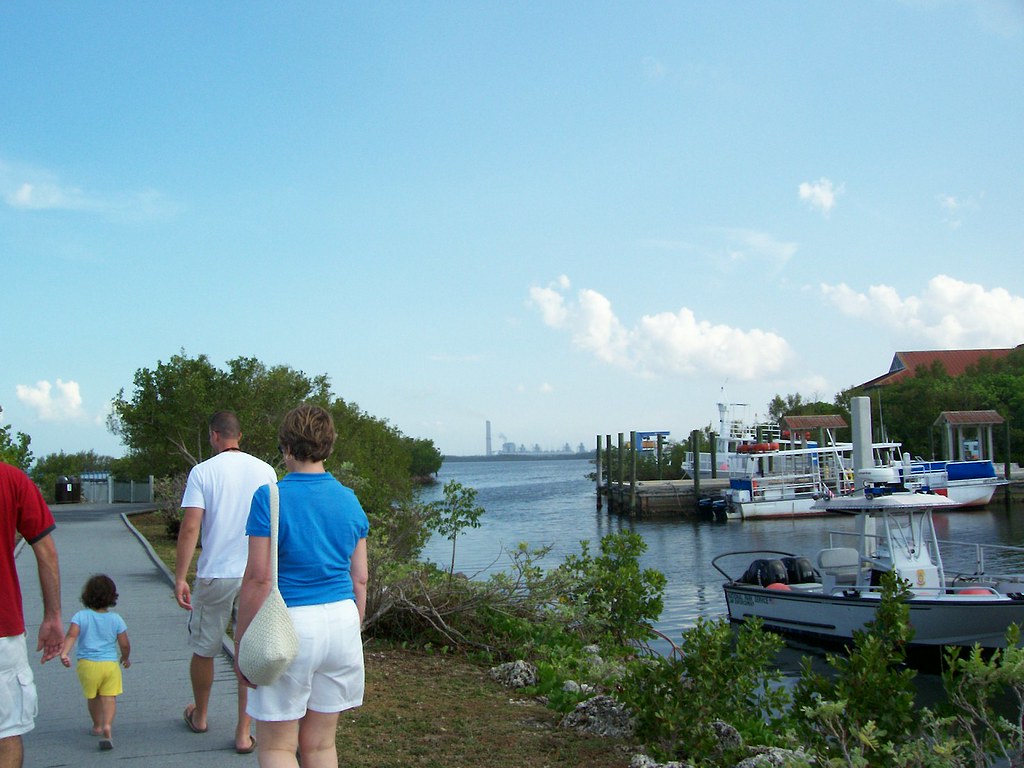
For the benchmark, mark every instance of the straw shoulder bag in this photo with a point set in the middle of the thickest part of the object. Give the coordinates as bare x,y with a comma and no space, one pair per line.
269,644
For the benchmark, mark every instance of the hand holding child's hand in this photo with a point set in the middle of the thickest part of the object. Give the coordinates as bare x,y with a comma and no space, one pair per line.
65,660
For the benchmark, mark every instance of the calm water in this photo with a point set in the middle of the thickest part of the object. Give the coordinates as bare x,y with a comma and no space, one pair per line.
551,502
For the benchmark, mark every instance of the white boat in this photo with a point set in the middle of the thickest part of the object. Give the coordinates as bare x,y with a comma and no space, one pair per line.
829,596
776,472
783,470
965,483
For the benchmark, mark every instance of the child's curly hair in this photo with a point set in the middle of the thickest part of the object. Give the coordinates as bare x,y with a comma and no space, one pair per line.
99,592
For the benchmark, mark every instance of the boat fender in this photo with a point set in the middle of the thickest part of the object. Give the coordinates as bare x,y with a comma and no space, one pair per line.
974,591
778,586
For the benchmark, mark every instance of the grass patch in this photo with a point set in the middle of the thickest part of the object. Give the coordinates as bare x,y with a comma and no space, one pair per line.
433,711
444,712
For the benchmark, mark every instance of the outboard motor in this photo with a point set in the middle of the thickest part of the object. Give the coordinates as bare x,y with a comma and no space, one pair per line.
764,572
799,570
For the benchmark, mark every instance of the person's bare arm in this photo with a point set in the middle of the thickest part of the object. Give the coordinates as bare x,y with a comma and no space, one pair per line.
51,631
359,570
254,590
126,649
188,539
69,643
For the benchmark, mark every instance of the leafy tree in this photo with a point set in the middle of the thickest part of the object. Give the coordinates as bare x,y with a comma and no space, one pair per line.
372,454
15,452
795,405
261,395
454,514
424,458
165,423
621,600
909,408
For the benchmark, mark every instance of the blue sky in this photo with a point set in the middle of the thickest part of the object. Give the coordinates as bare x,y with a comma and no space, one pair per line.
569,219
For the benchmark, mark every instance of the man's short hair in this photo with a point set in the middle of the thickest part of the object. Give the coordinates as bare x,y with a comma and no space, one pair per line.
227,424
308,433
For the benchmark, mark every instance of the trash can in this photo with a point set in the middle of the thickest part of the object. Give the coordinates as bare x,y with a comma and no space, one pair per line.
68,490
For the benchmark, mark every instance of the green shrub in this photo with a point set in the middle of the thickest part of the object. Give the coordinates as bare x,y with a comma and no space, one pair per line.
716,675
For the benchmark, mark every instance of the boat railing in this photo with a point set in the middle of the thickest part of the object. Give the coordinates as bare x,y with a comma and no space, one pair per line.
957,553
965,559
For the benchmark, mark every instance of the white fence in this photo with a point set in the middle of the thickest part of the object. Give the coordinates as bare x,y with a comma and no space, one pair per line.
111,491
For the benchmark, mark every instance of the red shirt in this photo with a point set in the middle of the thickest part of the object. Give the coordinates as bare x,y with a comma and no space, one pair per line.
22,510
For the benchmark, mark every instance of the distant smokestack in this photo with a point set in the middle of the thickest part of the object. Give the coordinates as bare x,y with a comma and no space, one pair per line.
488,437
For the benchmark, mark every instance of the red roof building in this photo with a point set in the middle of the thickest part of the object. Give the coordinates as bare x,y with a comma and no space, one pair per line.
955,361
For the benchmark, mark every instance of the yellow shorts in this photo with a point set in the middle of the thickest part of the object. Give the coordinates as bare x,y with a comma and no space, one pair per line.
99,678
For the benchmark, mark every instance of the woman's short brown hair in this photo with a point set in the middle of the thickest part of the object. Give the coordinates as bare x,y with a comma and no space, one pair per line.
307,433
99,592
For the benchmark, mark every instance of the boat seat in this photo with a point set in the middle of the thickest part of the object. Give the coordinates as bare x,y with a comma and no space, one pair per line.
839,565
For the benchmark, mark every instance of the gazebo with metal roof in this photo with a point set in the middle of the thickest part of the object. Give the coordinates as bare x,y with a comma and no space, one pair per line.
973,430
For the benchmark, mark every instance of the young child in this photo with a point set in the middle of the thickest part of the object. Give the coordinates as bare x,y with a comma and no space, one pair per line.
102,639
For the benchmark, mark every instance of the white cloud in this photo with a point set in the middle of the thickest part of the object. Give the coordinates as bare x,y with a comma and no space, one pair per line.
820,194
663,344
948,314
42,196
32,189
954,208
60,403
550,302
749,244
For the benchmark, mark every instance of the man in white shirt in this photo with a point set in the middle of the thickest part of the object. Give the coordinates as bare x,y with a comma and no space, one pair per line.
216,501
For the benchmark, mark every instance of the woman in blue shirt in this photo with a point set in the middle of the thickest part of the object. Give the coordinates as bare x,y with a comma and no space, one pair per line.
322,574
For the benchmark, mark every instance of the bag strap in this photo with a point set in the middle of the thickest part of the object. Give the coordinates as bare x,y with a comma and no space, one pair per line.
275,506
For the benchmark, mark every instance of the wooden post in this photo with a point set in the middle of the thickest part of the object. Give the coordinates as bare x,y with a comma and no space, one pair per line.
714,455
608,472
632,474
597,464
622,471
1006,465
695,450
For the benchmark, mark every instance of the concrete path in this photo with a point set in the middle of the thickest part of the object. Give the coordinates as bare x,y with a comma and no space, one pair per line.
148,730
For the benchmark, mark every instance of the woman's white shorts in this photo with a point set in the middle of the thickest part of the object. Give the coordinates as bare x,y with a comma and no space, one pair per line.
327,674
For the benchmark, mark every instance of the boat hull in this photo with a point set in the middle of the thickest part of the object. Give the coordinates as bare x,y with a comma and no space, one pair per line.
961,621
781,508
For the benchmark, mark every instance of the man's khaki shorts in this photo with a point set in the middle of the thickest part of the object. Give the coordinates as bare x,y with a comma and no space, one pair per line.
214,605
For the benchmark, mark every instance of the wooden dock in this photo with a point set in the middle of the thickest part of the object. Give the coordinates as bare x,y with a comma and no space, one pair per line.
658,498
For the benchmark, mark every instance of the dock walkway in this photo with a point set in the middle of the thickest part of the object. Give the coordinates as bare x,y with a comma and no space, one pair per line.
149,730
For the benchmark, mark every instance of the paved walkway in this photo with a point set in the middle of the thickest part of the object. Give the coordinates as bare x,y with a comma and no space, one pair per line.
149,730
